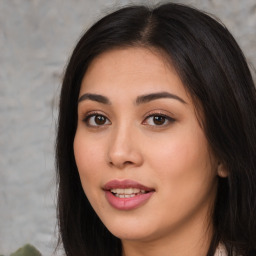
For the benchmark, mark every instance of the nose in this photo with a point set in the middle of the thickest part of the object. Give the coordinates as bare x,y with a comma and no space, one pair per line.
124,149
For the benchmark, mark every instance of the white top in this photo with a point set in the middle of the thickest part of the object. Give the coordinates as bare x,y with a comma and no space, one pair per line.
221,251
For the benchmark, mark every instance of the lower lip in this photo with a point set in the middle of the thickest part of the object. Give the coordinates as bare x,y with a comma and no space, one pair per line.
127,203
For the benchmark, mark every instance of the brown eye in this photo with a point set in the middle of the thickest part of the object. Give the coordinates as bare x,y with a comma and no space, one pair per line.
100,120
159,120
96,120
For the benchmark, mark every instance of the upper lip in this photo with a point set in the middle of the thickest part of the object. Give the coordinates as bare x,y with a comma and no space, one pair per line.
125,184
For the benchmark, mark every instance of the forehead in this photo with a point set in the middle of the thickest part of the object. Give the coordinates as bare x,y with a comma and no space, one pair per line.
134,69
127,55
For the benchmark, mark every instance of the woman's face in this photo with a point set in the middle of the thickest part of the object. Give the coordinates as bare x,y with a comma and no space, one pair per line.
143,159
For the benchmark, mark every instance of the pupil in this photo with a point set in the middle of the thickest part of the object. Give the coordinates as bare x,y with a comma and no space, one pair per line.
100,120
158,120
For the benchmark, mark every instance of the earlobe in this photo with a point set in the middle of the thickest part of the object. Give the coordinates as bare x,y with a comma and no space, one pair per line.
222,171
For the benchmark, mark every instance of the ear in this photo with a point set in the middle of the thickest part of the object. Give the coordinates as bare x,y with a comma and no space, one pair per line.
222,171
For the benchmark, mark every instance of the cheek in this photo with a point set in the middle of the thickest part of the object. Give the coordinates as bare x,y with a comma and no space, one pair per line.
179,153
184,161
88,157
185,172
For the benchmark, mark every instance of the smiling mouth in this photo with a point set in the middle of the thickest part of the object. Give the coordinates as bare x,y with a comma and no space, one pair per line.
127,192
126,188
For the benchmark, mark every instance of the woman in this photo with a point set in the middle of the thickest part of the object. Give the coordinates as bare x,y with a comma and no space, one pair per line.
157,138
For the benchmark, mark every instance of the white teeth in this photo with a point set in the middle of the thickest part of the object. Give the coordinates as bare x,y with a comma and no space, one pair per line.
127,192
124,196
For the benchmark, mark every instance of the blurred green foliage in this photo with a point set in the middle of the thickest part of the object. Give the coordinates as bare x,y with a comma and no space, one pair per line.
26,250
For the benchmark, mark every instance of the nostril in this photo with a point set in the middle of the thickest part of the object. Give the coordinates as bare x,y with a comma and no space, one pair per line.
128,162
121,164
124,164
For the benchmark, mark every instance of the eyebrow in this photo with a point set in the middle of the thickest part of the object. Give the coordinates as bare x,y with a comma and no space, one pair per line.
139,100
159,95
94,97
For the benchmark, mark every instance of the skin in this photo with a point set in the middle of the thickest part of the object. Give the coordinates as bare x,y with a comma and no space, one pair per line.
173,158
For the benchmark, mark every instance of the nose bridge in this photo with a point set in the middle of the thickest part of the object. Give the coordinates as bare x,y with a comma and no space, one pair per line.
123,146
121,133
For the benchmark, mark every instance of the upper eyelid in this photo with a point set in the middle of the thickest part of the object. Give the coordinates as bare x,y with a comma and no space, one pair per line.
93,112
159,112
169,118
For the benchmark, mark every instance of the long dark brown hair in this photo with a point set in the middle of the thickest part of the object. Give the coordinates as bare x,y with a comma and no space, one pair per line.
214,72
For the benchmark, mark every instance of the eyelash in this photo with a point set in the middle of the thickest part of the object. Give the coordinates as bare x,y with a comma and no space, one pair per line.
167,119
94,114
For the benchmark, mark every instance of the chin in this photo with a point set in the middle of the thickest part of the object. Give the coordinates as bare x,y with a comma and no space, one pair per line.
131,231
132,236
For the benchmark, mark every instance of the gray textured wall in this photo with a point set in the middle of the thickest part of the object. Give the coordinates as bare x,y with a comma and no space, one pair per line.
36,39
